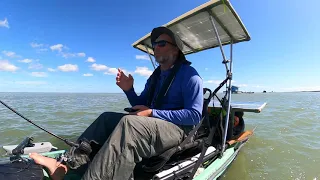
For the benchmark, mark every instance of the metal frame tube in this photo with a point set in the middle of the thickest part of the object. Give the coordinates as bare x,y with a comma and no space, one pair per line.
229,74
231,54
220,44
150,57
229,103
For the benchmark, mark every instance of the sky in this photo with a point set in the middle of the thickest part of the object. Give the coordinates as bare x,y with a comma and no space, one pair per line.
77,46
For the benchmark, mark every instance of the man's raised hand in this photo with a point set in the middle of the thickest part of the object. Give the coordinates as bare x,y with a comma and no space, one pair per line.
123,81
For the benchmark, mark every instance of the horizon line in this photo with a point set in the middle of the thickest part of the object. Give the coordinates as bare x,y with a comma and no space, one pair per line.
138,93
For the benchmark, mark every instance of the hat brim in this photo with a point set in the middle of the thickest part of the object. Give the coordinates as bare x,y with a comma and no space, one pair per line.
156,32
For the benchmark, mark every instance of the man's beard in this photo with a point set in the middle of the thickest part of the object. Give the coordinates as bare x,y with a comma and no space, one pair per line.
166,59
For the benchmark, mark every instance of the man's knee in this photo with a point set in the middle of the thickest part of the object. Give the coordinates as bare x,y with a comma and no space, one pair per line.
132,121
103,117
127,119
110,115
106,114
108,118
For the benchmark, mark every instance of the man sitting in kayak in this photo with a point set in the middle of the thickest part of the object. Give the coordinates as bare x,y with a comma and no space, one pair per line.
163,119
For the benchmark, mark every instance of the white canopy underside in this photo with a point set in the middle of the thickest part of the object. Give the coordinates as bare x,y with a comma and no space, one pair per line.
197,32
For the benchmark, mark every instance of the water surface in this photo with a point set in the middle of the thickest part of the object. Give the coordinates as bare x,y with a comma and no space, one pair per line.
286,143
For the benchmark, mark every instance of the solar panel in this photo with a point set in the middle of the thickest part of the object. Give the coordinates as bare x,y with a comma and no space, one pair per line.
196,30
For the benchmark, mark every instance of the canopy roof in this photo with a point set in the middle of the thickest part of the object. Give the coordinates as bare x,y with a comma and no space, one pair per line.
197,32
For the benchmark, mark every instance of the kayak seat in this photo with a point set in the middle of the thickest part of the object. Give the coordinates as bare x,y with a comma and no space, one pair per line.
190,149
175,154
155,163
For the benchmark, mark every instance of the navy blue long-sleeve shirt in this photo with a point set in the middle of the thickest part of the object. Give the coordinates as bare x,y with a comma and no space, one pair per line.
186,91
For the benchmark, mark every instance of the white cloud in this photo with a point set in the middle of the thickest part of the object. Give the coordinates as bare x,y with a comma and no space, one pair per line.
10,54
68,55
51,70
113,71
36,45
206,69
63,51
42,50
4,23
35,66
216,82
25,60
6,66
143,57
39,74
57,47
241,85
82,54
258,86
68,68
88,74
91,59
108,70
143,71
99,67
31,82
213,82
41,47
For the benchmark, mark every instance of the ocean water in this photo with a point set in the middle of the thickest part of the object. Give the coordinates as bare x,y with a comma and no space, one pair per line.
285,145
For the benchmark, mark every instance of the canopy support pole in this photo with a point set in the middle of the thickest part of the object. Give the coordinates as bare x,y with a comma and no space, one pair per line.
219,41
229,75
229,122
154,67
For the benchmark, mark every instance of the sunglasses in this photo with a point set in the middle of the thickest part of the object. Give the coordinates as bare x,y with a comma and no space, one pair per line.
161,43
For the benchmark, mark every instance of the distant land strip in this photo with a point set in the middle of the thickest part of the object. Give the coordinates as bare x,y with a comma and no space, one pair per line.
310,91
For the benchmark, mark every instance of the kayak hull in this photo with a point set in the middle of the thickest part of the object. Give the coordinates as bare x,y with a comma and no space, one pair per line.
216,167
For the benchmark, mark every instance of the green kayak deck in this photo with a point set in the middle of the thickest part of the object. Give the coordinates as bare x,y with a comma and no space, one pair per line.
212,171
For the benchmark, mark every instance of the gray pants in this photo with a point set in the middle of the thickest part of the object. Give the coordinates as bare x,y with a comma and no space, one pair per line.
125,140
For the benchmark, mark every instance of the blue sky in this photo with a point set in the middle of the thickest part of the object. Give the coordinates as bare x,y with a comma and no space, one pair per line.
76,46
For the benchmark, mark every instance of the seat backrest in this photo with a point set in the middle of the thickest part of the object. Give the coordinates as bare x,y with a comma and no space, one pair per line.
205,126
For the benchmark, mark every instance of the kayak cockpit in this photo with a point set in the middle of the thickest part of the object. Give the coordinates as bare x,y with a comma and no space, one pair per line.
181,164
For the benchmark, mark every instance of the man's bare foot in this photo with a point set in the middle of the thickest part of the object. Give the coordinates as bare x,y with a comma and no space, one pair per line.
56,170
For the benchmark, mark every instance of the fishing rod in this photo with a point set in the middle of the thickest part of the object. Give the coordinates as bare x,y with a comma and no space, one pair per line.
68,142
71,158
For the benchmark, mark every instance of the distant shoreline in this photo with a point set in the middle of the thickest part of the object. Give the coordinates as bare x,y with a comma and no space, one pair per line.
137,92
309,91
70,92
